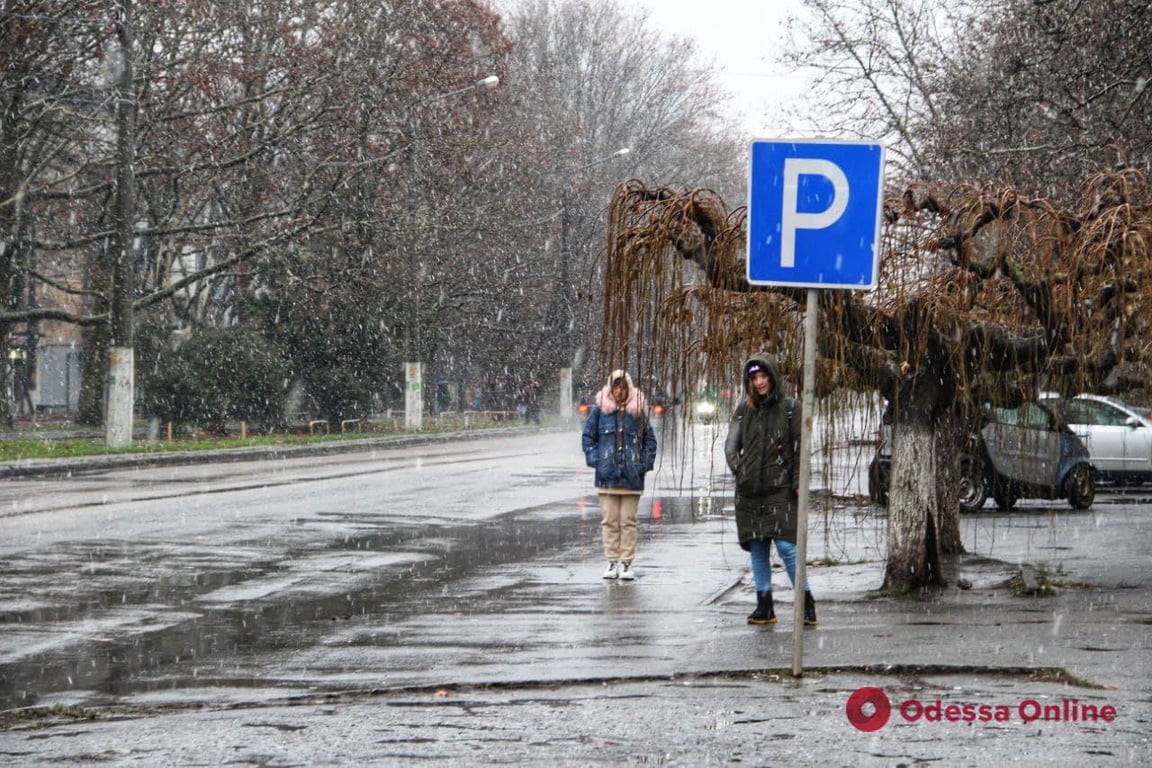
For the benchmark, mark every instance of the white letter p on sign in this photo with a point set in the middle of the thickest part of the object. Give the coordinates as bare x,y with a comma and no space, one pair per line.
792,219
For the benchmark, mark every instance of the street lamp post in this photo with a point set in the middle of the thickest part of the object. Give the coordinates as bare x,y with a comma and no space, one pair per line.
120,386
414,397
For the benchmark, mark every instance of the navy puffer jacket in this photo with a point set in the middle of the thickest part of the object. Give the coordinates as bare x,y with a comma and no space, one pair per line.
619,441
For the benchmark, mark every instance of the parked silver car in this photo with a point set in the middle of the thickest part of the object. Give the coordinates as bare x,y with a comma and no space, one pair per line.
1118,436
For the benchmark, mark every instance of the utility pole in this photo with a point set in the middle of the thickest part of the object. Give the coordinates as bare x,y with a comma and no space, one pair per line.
120,392
563,318
416,367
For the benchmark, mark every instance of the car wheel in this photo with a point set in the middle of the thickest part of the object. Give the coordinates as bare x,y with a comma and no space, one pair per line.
1080,486
973,493
1004,496
877,486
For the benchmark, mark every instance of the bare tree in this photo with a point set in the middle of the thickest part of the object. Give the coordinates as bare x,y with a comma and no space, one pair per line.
589,80
253,123
986,297
50,54
393,265
875,67
1042,94
1038,94
185,154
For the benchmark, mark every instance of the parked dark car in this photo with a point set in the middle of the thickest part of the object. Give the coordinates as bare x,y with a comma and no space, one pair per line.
1025,452
973,485
1030,452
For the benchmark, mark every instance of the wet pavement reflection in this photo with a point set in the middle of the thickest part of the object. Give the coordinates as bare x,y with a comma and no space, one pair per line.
91,621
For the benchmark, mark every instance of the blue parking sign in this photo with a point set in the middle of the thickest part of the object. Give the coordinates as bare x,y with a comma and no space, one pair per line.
814,213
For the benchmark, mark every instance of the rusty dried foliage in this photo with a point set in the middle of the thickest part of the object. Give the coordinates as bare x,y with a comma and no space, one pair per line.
1009,294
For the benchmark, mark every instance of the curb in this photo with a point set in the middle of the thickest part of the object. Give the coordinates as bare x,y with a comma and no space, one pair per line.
72,466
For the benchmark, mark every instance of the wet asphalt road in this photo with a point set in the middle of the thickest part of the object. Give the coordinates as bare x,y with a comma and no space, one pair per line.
130,581
443,603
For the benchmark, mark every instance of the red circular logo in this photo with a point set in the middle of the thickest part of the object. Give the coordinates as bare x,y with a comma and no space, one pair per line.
868,709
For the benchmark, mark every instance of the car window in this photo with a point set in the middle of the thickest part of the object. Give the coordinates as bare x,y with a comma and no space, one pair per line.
1079,412
1029,415
1108,416
1007,416
1034,416
1142,411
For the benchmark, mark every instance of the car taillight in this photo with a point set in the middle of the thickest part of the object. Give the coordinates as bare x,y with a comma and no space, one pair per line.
658,409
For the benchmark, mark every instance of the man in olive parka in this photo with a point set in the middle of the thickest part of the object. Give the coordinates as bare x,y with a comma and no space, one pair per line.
763,453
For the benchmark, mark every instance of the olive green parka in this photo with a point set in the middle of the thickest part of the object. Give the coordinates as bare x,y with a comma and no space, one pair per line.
763,453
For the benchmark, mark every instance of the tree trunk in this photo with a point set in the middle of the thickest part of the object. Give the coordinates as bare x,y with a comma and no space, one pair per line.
5,368
949,437
119,393
9,237
93,375
913,540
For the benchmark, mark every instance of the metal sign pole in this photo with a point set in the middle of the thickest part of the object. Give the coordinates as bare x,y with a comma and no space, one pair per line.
808,403
815,208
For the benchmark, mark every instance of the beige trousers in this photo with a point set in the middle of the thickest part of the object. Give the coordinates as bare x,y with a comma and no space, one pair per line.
618,525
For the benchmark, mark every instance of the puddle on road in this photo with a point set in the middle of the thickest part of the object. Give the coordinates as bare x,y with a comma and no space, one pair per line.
95,620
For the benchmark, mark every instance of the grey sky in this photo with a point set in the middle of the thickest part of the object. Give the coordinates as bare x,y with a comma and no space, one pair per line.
744,38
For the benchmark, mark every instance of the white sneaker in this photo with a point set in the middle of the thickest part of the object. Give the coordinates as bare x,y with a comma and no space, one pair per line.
626,572
612,573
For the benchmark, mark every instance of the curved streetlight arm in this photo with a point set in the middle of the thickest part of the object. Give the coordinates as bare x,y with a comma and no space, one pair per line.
415,342
487,83
409,130
606,159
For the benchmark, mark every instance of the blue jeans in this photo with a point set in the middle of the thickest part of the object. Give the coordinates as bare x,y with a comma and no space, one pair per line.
761,553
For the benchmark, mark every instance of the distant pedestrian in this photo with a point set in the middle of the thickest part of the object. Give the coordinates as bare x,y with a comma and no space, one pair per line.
763,453
532,402
619,442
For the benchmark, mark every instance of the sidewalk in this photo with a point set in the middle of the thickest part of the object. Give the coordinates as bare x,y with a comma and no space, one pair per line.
552,665
542,662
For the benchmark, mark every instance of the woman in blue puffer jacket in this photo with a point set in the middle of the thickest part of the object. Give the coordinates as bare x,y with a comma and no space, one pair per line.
619,442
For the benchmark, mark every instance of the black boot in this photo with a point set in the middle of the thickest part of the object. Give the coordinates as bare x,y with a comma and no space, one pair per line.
809,610
763,613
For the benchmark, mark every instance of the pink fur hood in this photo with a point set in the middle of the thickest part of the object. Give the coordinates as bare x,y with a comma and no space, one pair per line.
635,404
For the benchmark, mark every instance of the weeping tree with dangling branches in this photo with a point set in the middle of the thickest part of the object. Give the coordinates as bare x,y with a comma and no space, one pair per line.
985,296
